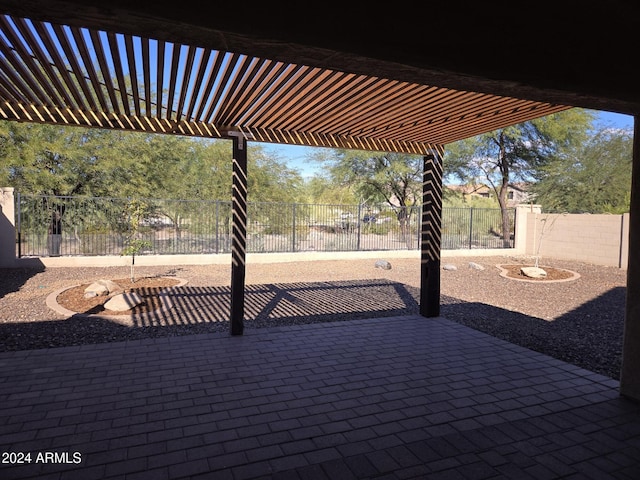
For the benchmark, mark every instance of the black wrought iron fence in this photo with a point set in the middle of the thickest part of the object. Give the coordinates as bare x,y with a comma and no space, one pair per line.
474,228
84,226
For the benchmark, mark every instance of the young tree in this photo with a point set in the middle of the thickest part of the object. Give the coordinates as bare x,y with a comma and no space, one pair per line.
517,153
133,214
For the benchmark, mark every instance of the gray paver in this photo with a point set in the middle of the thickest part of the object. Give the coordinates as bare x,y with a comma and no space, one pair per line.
398,397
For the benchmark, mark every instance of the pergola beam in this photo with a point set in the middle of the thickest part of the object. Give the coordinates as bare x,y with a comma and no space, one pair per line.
431,235
238,231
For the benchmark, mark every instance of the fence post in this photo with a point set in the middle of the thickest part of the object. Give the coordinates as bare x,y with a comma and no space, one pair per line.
293,237
358,217
216,226
470,228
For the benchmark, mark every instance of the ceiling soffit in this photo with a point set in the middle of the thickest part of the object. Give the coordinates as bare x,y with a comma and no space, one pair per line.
60,74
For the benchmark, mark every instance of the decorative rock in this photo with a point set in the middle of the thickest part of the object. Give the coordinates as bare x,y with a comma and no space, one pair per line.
475,266
123,301
90,294
101,288
449,266
383,264
533,272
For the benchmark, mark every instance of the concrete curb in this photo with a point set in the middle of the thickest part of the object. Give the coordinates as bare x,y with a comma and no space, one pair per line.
575,276
252,258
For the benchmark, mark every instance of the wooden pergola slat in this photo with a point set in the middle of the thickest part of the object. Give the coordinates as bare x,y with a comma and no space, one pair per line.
54,73
201,67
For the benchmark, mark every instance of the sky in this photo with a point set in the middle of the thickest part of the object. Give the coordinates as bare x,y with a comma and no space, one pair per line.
297,157
615,120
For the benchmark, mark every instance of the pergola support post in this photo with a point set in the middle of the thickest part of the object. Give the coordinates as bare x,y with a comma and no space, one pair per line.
630,371
238,232
431,235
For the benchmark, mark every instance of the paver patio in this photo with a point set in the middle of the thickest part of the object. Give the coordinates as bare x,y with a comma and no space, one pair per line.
394,397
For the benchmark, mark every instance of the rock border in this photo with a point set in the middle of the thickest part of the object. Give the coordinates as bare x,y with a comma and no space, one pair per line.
505,273
165,301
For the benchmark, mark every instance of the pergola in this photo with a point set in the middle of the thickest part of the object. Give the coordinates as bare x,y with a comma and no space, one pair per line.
66,74
149,68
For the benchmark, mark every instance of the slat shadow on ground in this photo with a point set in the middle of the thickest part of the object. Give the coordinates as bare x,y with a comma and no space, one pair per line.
270,304
206,309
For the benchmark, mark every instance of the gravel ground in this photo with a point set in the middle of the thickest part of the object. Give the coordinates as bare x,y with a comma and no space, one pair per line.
579,321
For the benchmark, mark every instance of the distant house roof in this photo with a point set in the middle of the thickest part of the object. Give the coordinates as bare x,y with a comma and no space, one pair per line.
518,191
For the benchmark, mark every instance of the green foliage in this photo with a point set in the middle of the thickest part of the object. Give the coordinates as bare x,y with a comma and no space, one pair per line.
135,246
593,177
457,199
270,179
516,153
555,151
323,190
56,160
376,177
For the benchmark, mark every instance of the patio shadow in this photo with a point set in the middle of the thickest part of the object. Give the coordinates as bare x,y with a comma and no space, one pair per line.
589,336
287,303
14,278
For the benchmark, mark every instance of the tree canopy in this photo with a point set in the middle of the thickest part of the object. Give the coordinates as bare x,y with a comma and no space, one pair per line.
64,161
377,177
593,177
570,166
518,152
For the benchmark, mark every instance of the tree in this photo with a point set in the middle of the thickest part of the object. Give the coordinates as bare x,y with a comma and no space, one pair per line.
393,178
516,153
320,189
595,177
54,160
270,179
64,161
133,214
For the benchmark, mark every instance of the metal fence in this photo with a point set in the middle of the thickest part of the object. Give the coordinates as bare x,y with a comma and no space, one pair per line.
84,226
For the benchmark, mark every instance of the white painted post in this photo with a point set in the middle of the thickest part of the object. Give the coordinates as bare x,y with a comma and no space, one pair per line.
521,237
7,228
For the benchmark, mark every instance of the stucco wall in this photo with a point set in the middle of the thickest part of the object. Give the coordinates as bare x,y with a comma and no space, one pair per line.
7,227
597,239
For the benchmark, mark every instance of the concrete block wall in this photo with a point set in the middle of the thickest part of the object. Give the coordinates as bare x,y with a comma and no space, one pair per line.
597,239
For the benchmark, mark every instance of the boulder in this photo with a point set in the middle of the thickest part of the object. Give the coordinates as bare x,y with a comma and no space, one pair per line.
449,266
533,272
383,264
475,266
123,301
101,288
